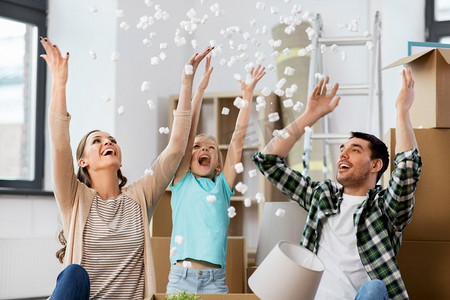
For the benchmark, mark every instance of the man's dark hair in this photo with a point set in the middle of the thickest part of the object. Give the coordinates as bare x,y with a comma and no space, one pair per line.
377,148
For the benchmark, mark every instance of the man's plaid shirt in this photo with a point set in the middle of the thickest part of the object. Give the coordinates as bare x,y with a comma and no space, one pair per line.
380,219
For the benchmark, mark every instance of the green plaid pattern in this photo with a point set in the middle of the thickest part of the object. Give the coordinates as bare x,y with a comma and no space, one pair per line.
380,219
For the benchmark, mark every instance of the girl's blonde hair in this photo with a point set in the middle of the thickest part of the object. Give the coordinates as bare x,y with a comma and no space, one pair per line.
83,176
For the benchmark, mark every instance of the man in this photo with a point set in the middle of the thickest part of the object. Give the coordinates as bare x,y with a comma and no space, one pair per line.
354,227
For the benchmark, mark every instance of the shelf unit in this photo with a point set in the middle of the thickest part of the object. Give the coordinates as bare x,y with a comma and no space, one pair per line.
213,122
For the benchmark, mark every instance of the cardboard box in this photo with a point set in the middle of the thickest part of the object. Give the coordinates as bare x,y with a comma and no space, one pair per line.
235,269
425,269
214,297
431,73
430,220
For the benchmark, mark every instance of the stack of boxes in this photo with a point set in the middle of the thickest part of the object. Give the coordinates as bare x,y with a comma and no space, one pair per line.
424,256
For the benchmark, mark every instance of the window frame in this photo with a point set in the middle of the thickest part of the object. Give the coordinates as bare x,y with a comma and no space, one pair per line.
32,12
435,29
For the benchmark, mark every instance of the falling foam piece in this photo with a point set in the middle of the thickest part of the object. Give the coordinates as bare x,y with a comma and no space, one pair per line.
308,130
191,13
310,32
223,61
280,83
289,93
275,133
289,30
274,10
147,42
343,55
252,173
239,167
237,76
369,45
189,69
173,251
266,91
106,98
273,117
294,87
179,239
231,208
260,6
284,134
151,104
271,67
187,264
148,3
289,71
298,106
155,60
124,25
164,130
252,22
231,214
241,187
260,99
288,103
203,1
120,110
93,8
247,202
260,197
302,52
225,111
287,51
93,54
275,54
277,43
279,92
238,102
162,56
145,86
204,19
120,13
211,198
323,48
260,106
280,212
149,172
115,56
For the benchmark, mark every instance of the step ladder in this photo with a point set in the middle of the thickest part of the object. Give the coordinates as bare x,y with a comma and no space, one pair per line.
372,90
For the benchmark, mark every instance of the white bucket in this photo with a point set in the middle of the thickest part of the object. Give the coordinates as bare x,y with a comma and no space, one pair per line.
289,272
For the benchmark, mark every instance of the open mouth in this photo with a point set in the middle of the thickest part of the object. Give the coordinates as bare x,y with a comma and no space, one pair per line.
204,160
108,152
344,166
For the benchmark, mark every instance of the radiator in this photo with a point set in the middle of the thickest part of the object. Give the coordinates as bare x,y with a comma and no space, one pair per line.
28,267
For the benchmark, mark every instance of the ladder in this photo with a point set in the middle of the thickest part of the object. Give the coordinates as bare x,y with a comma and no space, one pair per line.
372,90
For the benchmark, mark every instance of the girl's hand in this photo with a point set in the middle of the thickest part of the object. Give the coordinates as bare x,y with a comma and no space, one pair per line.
56,63
256,75
194,61
208,70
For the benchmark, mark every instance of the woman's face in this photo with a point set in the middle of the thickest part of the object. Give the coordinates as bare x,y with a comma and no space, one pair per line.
100,152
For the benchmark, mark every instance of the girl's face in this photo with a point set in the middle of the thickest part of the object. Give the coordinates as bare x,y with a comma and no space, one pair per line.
205,158
101,151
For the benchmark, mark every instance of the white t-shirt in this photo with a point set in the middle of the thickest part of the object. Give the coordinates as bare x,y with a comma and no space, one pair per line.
344,272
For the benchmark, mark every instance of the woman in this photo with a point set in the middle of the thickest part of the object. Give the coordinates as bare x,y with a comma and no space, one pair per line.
106,224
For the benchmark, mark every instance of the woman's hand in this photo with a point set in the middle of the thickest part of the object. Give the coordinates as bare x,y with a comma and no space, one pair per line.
57,64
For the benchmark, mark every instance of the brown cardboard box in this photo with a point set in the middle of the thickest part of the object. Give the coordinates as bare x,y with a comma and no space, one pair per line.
235,269
214,297
431,73
430,220
425,269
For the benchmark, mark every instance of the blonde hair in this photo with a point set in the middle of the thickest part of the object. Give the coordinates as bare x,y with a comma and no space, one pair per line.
83,176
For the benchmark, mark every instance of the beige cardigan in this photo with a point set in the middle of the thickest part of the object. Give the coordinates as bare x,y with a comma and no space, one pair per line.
74,198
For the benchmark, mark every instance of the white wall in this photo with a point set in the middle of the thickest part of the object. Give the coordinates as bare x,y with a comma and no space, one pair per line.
77,30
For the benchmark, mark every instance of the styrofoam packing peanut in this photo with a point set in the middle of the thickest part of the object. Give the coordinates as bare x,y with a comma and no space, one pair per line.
189,69
275,54
180,40
145,86
260,5
266,91
277,43
223,61
279,92
308,130
252,22
274,10
151,104
179,239
106,98
93,8
173,251
194,44
212,43
280,83
252,173
302,52
260,99
288,103
319,76
149,172
241,187
231,208
237,102
211,198
115,56
120,110
294,87
247,202
298,106
187,264
369,45
354,26
289,30
231,214
260,197
149,3
152,34
93,54
280,212
243,57
162,56
239,167
120,13
284,134
256,42
155,60
232,44
343,55
287,51
271,67
191,13
288,92
246,36
163,130
273,117
231,62
323,48
310,32
271,42
237,76
203,1
225,110
204,19
260,106
289,71
147,42
334,48
163,46
244,103
124,25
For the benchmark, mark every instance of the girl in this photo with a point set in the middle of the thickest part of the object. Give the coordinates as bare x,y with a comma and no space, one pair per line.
199,234
106,224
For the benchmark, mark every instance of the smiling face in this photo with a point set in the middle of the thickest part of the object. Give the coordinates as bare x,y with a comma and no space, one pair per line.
101,151
205,160
355,168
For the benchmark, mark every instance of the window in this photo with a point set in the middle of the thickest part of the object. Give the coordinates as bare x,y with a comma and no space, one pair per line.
437,19
22,94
